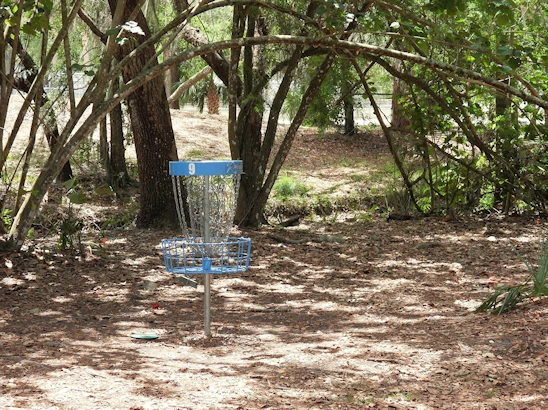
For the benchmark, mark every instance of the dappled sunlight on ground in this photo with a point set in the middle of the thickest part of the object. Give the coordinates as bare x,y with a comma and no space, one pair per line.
384,318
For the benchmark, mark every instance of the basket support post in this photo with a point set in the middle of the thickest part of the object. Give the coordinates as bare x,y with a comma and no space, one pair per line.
207,277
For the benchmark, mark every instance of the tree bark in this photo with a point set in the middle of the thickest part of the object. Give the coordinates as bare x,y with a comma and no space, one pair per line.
118,176
252,214
348,102
213,100
152,131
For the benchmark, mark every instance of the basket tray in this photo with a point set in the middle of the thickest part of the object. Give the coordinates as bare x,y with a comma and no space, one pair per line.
192,256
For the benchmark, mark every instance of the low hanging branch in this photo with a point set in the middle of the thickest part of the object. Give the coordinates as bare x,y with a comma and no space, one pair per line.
200,75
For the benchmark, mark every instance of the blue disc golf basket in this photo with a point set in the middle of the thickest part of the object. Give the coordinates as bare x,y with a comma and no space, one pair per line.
205,195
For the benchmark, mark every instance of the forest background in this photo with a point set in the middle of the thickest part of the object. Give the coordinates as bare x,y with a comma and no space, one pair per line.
467,81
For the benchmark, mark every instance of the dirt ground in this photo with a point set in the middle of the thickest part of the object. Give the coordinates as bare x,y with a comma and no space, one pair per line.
345,314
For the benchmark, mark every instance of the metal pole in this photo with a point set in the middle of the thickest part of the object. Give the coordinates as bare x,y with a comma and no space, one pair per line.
207,276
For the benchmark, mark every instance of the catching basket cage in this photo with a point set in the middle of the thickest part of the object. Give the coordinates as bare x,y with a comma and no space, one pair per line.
191,255
205,194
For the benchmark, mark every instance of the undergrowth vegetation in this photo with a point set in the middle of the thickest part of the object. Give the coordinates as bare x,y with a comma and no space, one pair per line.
505,298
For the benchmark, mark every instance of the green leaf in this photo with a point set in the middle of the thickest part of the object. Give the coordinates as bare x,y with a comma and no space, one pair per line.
424,46
69,184
104,190
503,19
77,198
113,31
48,4
505,51
514,62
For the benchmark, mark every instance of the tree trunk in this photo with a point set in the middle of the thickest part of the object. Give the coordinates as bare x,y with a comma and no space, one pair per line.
212,98
153,134
249,126
118,176
349,123
399,121
103,145
174,75
172,78
256,200
248,130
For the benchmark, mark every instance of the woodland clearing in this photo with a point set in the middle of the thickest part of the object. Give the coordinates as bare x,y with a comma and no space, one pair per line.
382,318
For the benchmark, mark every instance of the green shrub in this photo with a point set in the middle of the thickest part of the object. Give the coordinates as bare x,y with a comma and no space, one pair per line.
288,186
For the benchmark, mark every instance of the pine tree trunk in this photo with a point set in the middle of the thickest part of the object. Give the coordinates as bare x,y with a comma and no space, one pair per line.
212,98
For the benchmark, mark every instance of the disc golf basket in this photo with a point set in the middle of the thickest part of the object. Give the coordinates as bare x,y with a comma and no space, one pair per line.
205,195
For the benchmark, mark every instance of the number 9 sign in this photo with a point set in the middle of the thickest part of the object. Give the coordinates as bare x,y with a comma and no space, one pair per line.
191,168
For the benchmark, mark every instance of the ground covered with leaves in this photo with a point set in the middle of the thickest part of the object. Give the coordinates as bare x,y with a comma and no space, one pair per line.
379,317
334,313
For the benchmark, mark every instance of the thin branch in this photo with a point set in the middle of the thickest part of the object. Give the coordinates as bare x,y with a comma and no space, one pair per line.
204,72
92,26
388,135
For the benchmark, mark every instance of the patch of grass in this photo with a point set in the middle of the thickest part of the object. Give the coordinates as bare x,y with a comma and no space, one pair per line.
351,163
364,217
349,398
195,154
399,396
399,201
323,205
288,186
358,177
